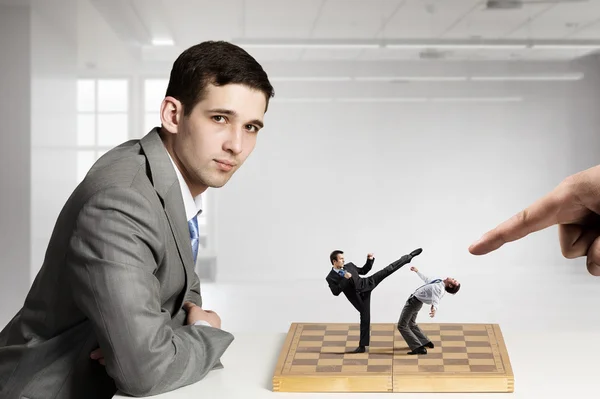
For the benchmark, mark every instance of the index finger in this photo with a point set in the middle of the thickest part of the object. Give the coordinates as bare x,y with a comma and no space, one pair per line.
538,216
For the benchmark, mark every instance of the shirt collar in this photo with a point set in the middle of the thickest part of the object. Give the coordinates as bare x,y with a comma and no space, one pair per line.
193,206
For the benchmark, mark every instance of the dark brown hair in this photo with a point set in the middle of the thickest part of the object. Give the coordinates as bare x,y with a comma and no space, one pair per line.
218,63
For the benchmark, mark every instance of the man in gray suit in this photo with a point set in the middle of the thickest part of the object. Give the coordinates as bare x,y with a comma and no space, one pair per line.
117,303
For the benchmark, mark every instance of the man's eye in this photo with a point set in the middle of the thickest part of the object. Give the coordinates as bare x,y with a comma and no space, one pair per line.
218,118
252,128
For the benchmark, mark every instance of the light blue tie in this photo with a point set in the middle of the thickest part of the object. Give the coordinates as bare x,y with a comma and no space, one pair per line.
194,236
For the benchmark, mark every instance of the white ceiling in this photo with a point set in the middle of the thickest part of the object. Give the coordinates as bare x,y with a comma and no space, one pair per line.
187,22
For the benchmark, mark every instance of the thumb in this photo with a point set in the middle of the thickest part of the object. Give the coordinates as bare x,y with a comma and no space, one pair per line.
593,258
187,306
96,354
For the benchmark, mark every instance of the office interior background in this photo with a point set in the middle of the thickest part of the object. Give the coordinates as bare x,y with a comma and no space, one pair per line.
396,124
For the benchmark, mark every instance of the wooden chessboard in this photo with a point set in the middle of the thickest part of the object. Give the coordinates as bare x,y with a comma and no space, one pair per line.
466,358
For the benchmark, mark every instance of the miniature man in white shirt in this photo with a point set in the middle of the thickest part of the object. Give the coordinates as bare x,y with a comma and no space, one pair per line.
431,293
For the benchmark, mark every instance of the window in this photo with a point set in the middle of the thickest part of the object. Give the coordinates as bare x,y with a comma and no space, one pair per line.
102,119
154,93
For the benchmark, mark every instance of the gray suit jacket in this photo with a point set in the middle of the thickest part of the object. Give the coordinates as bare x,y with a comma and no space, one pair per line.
116,273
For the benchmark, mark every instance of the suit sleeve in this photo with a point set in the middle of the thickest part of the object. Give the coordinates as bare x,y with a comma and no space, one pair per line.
367,267
337,287
111,264
193,294
423,277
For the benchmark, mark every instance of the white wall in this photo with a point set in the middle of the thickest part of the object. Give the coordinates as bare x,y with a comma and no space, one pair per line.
53,118
389,178
15,154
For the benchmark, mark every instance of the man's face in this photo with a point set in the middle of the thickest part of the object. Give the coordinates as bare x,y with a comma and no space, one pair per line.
215,139
450,282
339,263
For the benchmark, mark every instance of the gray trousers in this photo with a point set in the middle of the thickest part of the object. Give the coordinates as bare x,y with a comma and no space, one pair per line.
407,324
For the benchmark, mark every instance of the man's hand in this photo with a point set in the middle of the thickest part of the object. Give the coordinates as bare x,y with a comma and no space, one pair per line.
98,355
574,205
370,256
432,312
196,313
347,275
414,269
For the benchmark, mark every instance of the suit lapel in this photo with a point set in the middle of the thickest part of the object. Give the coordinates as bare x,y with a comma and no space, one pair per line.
165,182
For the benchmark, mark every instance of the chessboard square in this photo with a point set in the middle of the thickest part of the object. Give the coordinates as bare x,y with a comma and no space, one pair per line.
356,356
451,333
475,333
482,362
316,333
305,362
327,344
449,327
457,368
339,350
380,362
355,362
354,327
314,327
454,349
459,355
474,327
354,368
308,349
406,362
328,369
406,368
483,369
310,344
353,338
434,355
456,362
487,349
307,355
379,368
473,344
425,361
477,338
382,327
434,337
481,355
331,362
373,355
343,333
431,369
333,338
312,338
382,338
452,338
453,344
381,344
327,355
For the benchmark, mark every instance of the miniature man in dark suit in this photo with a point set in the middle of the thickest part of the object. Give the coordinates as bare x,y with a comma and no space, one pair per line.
345,278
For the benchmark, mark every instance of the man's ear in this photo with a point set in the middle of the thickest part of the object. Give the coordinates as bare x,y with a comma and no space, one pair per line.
171,112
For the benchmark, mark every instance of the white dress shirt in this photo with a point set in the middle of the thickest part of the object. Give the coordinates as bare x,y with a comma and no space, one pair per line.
431,294
193,207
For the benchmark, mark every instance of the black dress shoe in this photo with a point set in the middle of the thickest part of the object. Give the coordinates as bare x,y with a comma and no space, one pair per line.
360,349
429,345
416,252
421,350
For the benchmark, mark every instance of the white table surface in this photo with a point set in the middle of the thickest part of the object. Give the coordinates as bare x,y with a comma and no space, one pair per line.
553,365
